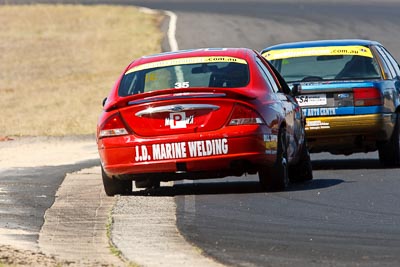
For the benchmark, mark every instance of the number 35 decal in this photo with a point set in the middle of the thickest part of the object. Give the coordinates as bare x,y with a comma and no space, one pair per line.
182,85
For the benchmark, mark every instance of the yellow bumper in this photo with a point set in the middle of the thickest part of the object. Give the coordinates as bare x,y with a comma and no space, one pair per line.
348,134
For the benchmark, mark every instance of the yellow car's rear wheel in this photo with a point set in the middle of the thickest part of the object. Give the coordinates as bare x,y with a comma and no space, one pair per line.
389,152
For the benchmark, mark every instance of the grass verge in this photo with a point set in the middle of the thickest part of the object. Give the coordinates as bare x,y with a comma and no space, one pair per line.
58,62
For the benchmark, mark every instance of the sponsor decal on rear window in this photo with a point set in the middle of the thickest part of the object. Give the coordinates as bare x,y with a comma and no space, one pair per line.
180,150
185,61
318,51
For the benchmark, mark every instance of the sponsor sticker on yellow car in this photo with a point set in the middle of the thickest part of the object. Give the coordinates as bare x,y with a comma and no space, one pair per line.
318,51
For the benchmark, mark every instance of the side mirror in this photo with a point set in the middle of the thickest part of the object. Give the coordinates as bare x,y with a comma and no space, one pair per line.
104,101
296,89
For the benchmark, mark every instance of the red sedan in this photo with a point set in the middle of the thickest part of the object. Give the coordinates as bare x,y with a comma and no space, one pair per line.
199,114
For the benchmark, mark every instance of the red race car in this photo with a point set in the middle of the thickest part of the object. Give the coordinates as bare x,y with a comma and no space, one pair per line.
199,114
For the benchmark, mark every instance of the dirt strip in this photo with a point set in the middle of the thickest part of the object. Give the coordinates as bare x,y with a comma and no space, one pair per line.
46,151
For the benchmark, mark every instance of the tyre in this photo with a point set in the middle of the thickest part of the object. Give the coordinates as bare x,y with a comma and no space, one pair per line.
276,179
147,183
302,171
113,186
389,152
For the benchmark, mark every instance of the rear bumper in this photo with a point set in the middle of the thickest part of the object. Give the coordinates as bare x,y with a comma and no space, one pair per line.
354,133
201,155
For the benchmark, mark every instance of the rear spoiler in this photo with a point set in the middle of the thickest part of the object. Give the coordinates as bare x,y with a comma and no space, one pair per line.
180,93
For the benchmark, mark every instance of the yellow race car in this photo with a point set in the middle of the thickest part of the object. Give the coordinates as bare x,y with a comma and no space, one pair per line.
350,94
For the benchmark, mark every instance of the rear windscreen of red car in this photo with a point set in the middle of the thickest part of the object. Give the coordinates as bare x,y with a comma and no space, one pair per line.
220,72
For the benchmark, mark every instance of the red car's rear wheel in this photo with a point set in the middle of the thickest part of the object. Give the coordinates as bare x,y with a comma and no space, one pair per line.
277,178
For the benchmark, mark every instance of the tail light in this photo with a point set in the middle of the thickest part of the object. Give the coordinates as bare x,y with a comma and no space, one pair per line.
367,97
242,115
113,126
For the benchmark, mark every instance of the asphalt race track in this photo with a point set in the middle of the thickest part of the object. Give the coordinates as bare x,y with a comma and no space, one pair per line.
349,215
